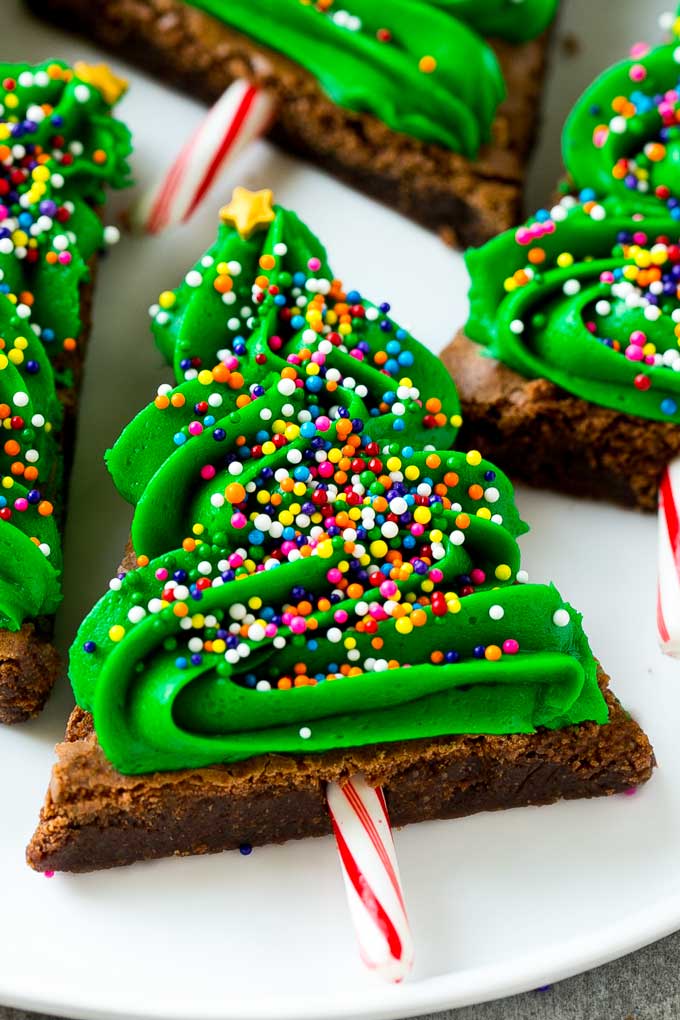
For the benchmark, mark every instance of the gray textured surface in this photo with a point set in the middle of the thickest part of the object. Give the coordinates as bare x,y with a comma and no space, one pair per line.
643,986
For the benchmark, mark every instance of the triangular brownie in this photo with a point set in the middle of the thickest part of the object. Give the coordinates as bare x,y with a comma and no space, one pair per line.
320,586
59,148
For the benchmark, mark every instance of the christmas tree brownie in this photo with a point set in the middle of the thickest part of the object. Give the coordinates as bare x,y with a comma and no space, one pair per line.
568,367
319,586
59,147
430,106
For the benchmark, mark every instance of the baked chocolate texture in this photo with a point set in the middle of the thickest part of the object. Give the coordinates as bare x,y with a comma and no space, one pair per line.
465,201
29,663
94,817
543,435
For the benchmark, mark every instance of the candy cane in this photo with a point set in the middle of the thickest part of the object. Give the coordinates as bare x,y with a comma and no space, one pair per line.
241,115
369,865
668,584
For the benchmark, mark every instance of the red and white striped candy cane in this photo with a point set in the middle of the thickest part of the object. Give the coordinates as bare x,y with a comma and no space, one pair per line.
369,865
241,115
668,583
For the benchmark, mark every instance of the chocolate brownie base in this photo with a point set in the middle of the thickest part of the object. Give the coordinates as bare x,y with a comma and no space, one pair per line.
29,664
547,437
466,201
94,817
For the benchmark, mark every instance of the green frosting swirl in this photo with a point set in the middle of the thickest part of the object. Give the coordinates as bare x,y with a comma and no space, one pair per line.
589,300
325,572
622,138
58,147
368,57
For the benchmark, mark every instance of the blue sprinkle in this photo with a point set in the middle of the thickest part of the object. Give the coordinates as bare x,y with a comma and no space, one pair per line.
179,439
246,849
89,647
181,662
668,406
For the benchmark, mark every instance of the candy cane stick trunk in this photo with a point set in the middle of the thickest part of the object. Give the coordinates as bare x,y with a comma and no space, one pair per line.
371,873
241,115
668,585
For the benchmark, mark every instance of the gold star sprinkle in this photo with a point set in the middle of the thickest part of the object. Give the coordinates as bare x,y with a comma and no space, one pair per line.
101,77
248,210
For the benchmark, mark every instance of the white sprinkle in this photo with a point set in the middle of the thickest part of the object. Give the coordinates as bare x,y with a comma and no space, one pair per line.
193,278
305,732
561,617
496,612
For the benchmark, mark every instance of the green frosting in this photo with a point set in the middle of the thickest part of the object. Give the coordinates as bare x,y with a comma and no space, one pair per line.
367,56
58,147
588,300
622,138
325,572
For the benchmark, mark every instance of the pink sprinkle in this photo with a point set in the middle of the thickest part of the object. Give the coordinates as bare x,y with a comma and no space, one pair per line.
195,428
270,630
238,520
638,72
522,235
231,362
634,353
630,791
275,343
639,237
417,529
638,338
314,264
436,575
64,257
323,423
511,647
161,574
49,874
318,358
298,625
606,277
207,472
235,560
326,469
600,136
21,503
639,49
477,576
340,616
334,575
388,589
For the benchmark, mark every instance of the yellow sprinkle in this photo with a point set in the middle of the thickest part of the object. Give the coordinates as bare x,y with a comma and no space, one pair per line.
117,633
473,457
503,572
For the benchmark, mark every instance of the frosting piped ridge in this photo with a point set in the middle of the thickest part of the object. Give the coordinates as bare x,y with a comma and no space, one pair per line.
316,568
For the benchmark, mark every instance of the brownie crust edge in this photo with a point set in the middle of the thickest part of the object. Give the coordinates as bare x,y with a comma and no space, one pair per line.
94,817
541,434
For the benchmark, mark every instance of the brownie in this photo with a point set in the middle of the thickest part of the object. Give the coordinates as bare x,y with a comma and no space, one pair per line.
465,201
29,663
543,435
94,817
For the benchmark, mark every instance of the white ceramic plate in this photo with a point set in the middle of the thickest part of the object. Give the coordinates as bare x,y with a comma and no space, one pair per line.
499,903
